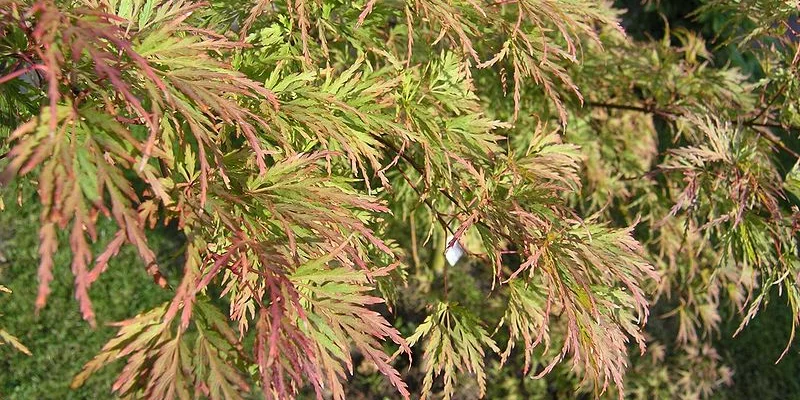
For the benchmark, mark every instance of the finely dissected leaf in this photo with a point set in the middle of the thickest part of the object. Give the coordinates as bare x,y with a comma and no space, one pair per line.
9,339
314,173
455,342
792,182
162,358
337,317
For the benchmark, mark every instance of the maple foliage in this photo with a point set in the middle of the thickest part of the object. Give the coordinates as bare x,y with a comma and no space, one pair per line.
317,159
8,339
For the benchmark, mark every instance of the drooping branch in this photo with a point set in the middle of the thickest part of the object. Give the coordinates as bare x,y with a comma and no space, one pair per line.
758,127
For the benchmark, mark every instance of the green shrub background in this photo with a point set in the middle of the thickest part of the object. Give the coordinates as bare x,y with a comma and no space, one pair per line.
59,338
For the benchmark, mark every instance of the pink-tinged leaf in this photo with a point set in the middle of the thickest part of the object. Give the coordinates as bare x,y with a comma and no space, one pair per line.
110,252
48,243
81,257
365,12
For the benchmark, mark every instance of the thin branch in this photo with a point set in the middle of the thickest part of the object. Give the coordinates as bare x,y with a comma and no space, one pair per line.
413,164
427,203
769,136
771,101
628,107
419,170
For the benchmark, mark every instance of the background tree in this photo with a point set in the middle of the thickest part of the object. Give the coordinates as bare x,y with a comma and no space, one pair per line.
310,164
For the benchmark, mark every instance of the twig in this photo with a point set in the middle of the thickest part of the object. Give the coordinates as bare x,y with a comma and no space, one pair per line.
629,107
769,136
427,203
413,164
419,170
771,101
